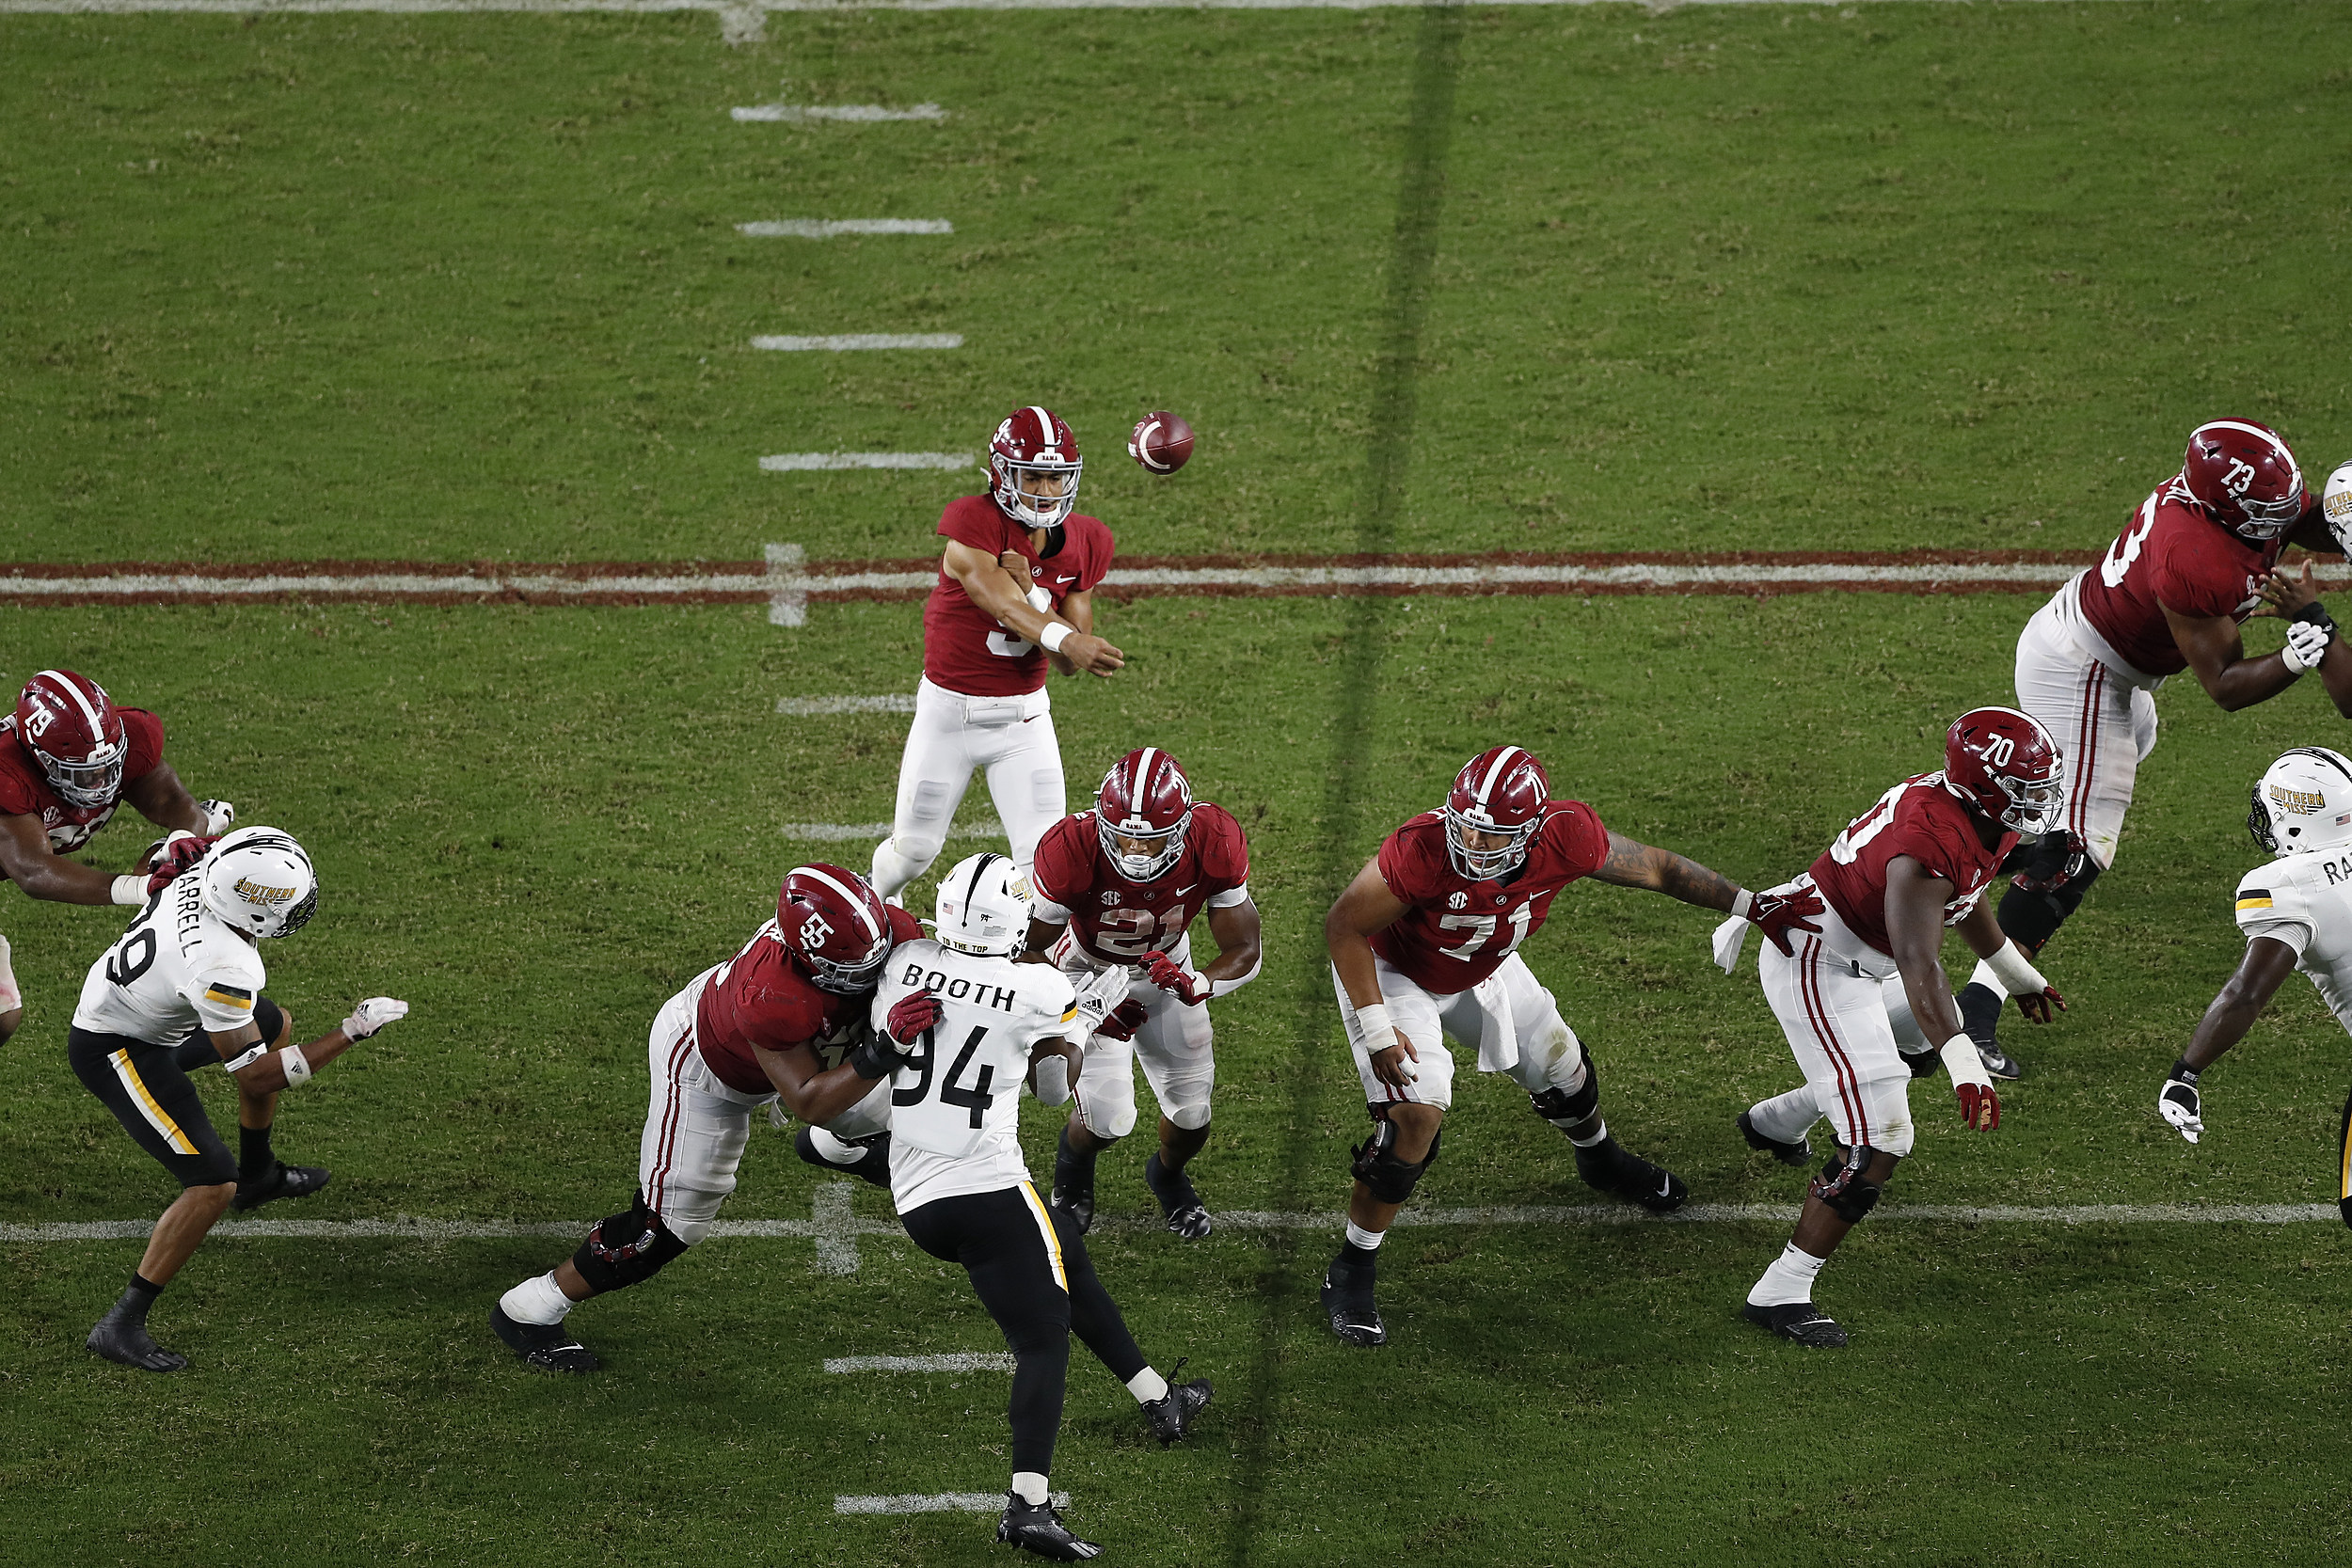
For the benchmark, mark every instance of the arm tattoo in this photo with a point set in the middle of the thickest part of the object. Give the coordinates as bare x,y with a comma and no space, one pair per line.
1633,865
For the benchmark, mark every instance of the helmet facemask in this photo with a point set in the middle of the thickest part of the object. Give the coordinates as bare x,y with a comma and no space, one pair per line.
1026,490
2036,806
1486,863
1166,845
2267,520
847,979
94,780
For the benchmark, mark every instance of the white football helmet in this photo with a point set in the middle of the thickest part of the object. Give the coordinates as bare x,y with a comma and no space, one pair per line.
259,881
982,907
2303,803
2335,502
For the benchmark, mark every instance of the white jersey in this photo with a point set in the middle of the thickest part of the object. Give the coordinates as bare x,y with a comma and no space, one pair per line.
177,967
955,1104
2305,902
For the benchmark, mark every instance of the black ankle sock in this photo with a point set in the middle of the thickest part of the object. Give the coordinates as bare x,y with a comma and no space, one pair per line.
138,1296
1082,1158
1363,1260
1979,1012
254,1158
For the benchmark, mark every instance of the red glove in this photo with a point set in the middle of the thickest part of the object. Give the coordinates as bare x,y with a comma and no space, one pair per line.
2037,1008
1173,978
1980,1107
1123,1021
176,855
1776,915
910,1015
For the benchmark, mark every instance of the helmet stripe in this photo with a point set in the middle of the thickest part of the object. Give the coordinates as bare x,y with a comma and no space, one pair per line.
1494,774
1143,778
1044,426
978,868
2270,435
848,897
97,723
2322,754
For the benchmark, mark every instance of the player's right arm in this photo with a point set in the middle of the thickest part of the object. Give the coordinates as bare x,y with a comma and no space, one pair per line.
267,1072
2217,653
2277,931
31,864
1915,897
813,1093
987,584
1369,905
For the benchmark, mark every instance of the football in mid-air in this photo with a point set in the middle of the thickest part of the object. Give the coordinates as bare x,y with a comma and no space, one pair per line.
1161,442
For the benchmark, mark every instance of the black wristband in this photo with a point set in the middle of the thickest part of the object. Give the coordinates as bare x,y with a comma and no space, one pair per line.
2317,614
869,1061
2182,1070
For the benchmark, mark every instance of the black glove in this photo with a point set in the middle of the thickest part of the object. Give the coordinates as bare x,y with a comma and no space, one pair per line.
2047,863
1922,1063
875,1055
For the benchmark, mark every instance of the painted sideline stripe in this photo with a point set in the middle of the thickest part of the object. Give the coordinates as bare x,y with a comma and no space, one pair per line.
793,113
787,574
825,462
839,1222
852,343
904,703
961,1361
826,228
848,833
934,1502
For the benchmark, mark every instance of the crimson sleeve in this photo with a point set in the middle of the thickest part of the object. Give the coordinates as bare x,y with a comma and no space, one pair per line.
1096,564
2185,578
1404,867
980,528
1224,852
1059,870
903,927
144,733
1583,840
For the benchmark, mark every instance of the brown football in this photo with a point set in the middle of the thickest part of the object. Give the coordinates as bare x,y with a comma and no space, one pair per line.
1161,442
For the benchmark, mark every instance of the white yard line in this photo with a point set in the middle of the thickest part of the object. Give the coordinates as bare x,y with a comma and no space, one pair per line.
826,228
850,832
933,1502
795,113
826,462
858,342
961,1361
423,7
903,702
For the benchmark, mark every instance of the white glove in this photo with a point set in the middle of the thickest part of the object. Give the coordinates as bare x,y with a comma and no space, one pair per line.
1101,995
371,1014
2182,1108
218,816
2307,644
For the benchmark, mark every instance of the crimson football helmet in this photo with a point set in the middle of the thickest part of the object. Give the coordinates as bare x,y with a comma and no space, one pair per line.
2004,762
836,927
1033,441
71,728
2244,477
1498,791
1145,795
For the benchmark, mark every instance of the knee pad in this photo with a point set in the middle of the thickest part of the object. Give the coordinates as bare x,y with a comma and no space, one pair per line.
1110,1116
625,1249
1190,1119
2031,916
1377,1166
1563,1107
1844,1189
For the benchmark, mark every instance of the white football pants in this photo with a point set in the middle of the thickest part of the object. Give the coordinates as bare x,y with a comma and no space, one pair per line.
1509,1019
1832,999
696,1126
2104,724
1173,1042
1012,738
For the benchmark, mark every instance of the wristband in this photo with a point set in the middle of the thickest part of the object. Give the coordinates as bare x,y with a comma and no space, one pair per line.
246,1058
1742,904
2016,972
1055,635
1964,1062
129,888
1369,1024
1041,601
297,1066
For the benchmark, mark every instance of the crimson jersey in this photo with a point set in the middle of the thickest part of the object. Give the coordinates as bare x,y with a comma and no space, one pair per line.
1458,931
1919,817
963,648
2175,554
758,999
1122,922
25,788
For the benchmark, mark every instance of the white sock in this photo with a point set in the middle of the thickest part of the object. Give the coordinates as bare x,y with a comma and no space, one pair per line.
538,1300
1789,1279
833,1149
1599,1131
1985,978
1030,1487
892,870
10,998
1787,1117
1368,1240
1146,1386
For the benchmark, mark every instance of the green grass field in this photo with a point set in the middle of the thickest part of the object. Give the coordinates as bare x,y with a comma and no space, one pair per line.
464,287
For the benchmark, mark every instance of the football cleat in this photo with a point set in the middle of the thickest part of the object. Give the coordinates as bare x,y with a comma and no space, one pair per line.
1999,1063
1801,1321
1172,1416
1981,1016
1073,1183
549,1347
284,1180
1037,1527
1188,1217
1347,1302
872,1165
1607,1167
124,1341
1798,1154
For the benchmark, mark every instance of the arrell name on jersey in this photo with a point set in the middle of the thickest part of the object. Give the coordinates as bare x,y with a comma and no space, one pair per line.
959,988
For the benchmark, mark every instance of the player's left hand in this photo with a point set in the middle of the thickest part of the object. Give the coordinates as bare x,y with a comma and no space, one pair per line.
371,1014
1777,914
2282,595
2037,1005
2182,1108
1175,979
181,852
913,1013
1980,1107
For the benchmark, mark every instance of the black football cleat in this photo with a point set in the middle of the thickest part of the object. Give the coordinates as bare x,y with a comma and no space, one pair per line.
284,1180
1172,1416
1037,1527
123,1339
1798,1154
549,1347
1981,1016
1800,1322
1347,1302
1188,1217
1999,1063
872,1165
1073,1183
1608,1167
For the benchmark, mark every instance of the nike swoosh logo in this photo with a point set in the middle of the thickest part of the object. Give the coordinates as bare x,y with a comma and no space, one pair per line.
1666,1186
1179,891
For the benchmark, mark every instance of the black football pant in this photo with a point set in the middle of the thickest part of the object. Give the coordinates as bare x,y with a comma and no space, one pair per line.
1030,1268
154,1101
195,1053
